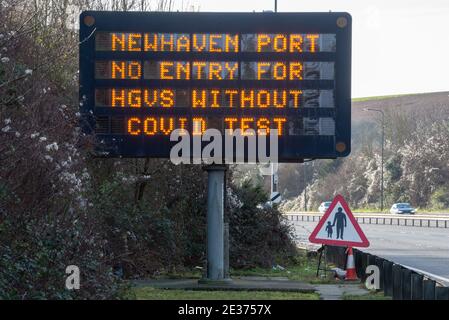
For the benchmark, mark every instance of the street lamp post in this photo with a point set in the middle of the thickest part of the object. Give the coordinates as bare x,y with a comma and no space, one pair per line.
383,151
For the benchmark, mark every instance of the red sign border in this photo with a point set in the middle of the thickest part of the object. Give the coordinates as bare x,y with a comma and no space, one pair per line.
339,199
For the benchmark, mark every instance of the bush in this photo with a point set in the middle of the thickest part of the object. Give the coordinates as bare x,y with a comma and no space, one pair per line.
440,198
163,229
259,234
35,252
113,218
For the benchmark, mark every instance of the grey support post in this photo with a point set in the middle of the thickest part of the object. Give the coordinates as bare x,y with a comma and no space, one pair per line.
215,225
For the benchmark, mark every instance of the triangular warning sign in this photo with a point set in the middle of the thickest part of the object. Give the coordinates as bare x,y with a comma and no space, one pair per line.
338,227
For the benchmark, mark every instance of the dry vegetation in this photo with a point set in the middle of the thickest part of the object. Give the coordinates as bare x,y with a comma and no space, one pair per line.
416,158
59,206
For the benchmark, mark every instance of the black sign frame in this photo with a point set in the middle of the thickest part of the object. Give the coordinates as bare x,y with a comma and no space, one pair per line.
291,149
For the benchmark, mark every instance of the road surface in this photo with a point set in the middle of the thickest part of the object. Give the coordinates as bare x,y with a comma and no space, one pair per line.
426,249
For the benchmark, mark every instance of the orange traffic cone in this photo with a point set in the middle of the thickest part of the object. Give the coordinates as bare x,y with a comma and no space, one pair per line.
351,274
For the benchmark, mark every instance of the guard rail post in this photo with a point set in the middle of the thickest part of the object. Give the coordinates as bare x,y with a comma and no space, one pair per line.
371,261
442,293
358,256
380,265
406,284
417,286
397,282
429,290
388,278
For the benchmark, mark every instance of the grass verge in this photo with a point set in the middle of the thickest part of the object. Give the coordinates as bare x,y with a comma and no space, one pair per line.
371,296
159,294
302,268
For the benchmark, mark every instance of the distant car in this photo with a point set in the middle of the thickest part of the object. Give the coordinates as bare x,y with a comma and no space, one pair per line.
324,206
402,208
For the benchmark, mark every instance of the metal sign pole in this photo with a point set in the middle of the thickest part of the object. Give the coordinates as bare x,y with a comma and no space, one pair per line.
215,224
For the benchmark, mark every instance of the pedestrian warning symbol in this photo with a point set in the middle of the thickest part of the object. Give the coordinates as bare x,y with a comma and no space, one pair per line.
338,227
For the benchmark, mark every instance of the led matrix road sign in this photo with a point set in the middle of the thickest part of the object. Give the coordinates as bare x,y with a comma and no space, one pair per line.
144,75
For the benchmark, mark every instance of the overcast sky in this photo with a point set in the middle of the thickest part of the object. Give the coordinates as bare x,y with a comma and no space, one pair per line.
399,46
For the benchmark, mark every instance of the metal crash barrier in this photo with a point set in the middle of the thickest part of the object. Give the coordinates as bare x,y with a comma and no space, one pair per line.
423,222
396,281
